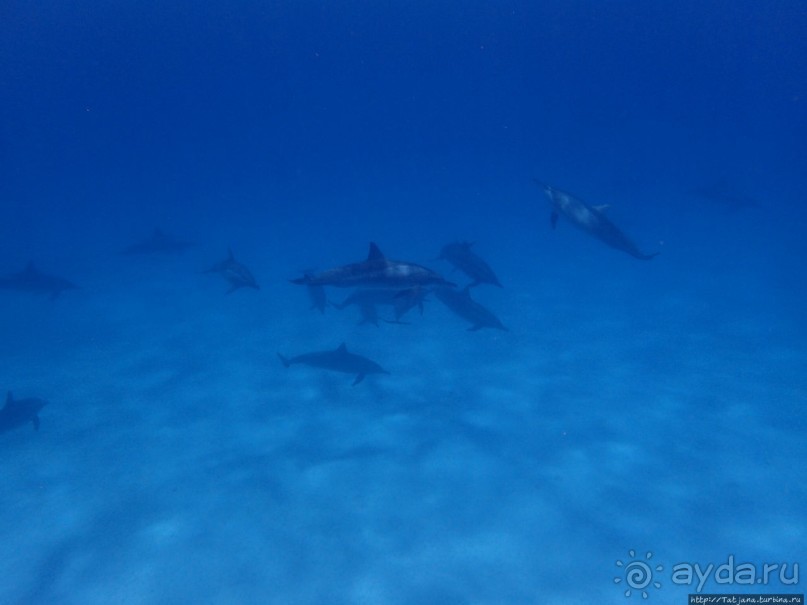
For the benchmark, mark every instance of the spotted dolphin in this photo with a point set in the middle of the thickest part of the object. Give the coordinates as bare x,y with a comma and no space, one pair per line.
462,256
590,219
337,360
377,271
19,412
235,273
33,280
461,304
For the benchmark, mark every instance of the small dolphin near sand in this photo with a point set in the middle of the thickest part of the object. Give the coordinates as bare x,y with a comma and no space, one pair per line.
235,273
338,360
461,255
158,243
32,280
376,272
461,303
19,412
590,219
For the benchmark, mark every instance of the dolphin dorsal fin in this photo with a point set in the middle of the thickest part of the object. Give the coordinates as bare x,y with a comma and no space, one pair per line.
342,348
375,253
9,399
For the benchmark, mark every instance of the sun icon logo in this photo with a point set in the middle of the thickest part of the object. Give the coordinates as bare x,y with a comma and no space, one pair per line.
638,574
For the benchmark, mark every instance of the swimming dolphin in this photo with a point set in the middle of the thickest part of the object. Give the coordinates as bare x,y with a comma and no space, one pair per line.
158,243
461,303
466,260
726,195
235,273
401,301
32,280
18,412
590,219
375,272
338,360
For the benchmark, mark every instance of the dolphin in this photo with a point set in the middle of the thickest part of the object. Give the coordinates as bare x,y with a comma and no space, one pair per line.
367,299
375,272
235,273
590,219
18,412
158,243
466,260
722,193
32,280
461,303
338,360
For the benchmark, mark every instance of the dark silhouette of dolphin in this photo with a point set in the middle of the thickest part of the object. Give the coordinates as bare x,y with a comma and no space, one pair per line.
401,301
158,243
590,219
32,280
461,303
466,260
19,412
338,360
375,272
235,273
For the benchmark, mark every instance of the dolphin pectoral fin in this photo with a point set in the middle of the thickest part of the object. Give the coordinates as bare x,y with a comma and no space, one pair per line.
36,422
285,361
553,219
647,256
359,378
232,289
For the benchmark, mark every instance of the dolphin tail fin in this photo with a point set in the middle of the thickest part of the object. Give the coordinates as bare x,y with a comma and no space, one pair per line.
286,363
359,378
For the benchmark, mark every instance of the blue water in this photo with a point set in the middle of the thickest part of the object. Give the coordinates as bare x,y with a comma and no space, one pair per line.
647,406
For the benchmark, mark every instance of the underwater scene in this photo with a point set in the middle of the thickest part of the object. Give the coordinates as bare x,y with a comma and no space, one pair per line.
403,303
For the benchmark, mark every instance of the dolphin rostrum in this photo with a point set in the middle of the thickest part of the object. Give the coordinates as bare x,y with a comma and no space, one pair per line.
235,273
338,360
466,260
18,412
590,219
32,280
375,272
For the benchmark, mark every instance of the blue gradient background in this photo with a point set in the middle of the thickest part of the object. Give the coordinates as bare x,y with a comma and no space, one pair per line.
656,406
